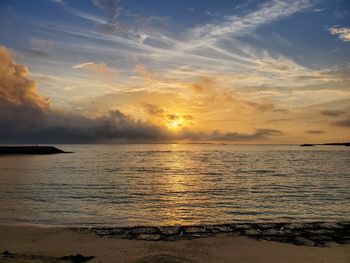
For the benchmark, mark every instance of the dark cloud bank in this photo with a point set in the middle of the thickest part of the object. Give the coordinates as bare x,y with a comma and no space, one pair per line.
336,113
27,117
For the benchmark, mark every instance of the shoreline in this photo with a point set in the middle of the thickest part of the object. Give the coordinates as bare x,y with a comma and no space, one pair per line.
301,233
64,244
297,233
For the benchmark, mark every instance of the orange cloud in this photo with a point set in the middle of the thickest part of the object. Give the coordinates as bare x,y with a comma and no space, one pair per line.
26,116
15,87
145,74
99,69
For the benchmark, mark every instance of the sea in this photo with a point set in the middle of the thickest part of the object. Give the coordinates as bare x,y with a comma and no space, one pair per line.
175,184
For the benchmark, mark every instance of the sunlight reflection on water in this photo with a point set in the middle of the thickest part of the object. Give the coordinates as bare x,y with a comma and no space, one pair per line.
176,184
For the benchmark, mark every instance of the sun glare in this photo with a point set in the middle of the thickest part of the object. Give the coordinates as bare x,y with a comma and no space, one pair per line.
176,124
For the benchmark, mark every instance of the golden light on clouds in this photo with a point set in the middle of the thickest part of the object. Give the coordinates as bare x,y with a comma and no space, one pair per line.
214,78
98,69
176,124
153,105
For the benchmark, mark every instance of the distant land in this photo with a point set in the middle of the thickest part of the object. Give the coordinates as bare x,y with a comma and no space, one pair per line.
330,143
29,150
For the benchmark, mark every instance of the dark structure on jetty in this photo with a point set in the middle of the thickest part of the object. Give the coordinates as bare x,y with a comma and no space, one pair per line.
29,150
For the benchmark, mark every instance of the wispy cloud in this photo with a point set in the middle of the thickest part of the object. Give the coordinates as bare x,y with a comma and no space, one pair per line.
41,47
332,112
113,10
342,32
199,46
28,117
61,2
240,25
99,69
87,16
315,132
222,73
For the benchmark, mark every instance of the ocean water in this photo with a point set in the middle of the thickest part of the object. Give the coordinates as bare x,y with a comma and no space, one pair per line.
169,184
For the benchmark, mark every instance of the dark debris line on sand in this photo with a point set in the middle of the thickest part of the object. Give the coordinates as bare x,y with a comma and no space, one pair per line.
7,256
162,258
306,234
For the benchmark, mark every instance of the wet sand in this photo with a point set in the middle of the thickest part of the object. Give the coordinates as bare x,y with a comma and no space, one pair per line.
50,244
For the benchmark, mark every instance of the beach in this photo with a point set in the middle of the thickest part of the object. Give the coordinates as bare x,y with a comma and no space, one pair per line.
174,131
50,244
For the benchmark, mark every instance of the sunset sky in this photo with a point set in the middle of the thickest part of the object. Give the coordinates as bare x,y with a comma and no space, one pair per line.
186,70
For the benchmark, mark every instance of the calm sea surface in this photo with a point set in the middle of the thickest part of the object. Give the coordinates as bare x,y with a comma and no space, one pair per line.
176,184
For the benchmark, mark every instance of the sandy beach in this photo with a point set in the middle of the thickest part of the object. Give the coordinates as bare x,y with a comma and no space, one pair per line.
49,244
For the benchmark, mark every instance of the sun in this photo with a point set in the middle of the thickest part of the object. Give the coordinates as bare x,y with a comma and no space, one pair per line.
176,121
175,124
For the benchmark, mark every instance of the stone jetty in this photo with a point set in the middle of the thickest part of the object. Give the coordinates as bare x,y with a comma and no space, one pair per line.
29,150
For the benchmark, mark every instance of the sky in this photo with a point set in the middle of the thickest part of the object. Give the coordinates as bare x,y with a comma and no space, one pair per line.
99,71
